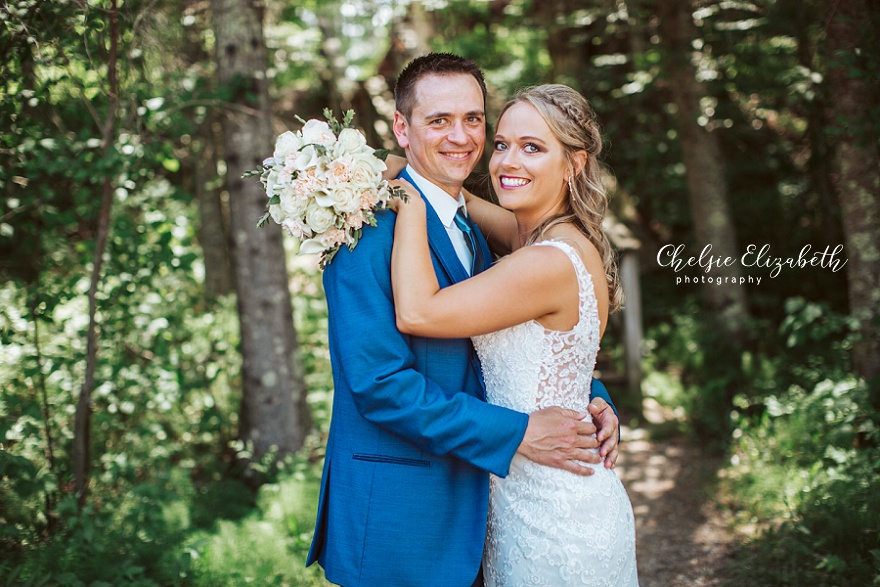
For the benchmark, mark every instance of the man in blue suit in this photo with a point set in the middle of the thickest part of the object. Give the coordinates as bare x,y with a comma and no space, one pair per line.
404,494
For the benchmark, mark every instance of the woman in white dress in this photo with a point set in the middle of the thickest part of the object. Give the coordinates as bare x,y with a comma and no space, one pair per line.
536,318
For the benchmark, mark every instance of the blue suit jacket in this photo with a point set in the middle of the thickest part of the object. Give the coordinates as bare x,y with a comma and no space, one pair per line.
404,493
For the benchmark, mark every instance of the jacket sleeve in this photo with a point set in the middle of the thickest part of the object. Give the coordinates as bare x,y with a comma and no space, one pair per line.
377,365
597,389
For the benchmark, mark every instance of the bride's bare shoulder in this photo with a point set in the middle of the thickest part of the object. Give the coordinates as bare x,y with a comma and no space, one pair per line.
588,252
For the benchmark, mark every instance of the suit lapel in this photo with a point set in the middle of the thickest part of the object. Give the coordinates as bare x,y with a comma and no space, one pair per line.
438,240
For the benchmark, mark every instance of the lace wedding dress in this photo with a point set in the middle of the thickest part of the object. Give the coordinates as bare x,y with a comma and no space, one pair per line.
549,527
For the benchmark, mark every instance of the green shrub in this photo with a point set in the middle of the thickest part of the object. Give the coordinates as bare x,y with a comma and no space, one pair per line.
807,470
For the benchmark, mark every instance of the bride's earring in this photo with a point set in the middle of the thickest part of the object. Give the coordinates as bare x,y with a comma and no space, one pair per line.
570,190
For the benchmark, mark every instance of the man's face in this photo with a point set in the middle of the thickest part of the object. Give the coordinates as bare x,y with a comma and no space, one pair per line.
446,133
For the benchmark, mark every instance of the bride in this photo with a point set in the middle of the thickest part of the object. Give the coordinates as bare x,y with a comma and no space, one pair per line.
536,318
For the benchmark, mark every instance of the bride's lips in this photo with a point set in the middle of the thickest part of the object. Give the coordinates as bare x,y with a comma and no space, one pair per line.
509,182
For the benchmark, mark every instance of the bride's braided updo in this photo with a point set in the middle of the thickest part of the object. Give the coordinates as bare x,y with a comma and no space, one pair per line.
574,124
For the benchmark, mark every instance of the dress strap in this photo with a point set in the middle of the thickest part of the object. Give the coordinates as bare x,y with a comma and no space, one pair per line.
586,292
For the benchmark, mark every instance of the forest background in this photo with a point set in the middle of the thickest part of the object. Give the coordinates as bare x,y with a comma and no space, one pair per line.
164,376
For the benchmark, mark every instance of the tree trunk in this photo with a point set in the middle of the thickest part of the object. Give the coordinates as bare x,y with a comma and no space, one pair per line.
273,382
820,165
851,102
200,169
213,234
83,415
707,185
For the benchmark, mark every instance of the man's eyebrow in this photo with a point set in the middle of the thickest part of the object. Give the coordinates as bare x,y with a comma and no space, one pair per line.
433,115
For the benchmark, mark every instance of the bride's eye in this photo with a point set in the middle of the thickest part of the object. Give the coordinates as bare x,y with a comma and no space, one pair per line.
531,148
500,146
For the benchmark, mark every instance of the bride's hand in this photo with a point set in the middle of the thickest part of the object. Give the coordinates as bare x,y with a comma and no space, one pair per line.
415,199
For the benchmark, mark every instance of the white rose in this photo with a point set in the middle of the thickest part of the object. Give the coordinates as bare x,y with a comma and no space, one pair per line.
346,199
317,132
319,218
293,204
350,141
365,172
286,144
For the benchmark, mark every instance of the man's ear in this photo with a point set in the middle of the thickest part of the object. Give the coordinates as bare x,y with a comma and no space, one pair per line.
579,159
401,128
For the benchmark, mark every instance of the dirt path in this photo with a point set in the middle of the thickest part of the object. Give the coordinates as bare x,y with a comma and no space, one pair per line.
681,540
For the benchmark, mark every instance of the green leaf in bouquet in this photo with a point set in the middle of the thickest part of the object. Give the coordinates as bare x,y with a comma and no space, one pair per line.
332,122
347,118
382,153
252,172
274,200
262,221
327,257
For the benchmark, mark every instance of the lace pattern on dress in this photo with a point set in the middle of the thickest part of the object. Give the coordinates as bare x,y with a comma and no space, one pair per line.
548,527
545,367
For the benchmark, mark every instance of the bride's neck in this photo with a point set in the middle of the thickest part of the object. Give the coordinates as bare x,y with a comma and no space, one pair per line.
528,223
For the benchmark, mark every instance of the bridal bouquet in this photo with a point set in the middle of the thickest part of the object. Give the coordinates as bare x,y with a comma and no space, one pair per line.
324,183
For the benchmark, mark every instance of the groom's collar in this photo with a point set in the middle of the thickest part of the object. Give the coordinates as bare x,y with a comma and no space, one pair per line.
444,205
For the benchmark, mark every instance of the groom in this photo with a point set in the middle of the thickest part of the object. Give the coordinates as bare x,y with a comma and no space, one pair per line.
404,493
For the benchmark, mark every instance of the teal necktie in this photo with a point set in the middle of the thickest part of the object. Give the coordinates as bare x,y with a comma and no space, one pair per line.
462,223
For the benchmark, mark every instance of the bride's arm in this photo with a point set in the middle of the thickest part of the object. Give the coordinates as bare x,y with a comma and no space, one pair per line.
497,224
532,283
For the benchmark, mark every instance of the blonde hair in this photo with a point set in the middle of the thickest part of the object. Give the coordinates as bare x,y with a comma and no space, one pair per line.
574,124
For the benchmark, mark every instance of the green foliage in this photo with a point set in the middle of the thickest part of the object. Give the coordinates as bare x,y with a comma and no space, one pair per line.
805,453
821,339
708,369
807,470
268,546
165,506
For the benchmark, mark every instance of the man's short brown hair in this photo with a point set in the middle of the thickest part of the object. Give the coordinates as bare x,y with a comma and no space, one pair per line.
432,64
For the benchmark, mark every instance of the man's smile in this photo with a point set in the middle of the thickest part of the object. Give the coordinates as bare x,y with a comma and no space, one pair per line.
460,155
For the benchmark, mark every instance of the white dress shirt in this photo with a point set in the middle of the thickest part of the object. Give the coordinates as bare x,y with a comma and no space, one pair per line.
446,206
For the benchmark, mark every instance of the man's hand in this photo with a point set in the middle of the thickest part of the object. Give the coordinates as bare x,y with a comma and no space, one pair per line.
558,438
609,430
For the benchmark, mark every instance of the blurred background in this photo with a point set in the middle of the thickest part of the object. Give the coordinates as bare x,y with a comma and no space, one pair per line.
164,374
